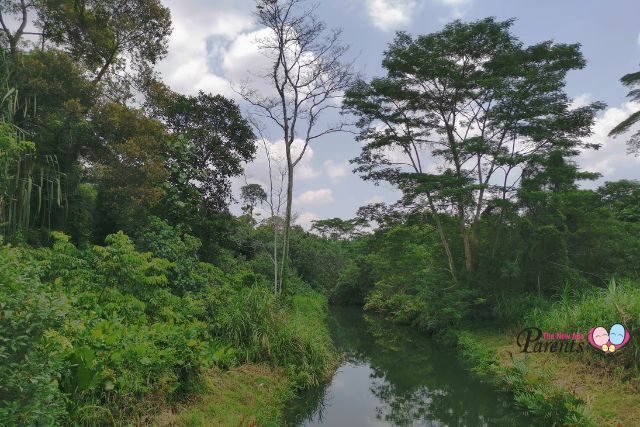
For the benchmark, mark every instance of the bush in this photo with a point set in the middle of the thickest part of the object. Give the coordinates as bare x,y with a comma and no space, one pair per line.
31,352
263,327
95,336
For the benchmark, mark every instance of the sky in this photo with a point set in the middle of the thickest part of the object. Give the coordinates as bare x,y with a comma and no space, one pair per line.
212,48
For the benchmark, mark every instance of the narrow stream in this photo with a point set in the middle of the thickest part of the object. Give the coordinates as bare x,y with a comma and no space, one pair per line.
394,376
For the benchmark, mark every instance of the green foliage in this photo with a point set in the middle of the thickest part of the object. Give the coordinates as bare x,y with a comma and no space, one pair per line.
31,349
400,275
130,170
99,33
98,335
477,102
287,333
186,272
30,187
252,195
632,81
210,141
337,228
623,198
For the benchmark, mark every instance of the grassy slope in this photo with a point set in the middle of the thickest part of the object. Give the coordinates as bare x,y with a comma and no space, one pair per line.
608,399
250,395
256,394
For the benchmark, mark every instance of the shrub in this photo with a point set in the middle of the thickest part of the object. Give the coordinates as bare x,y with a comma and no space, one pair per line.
31,352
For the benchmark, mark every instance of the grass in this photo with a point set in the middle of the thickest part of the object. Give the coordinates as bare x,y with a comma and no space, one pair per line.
297,352
250,395
619,302
608,397
547,401
606,388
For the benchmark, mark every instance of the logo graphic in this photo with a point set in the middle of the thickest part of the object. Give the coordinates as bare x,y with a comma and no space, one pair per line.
615,339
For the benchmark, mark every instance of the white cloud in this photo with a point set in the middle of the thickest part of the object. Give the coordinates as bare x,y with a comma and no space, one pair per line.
304,219
258,170
638,40
456,6
611,160
334,170
390,14
581,101
204,37
315,197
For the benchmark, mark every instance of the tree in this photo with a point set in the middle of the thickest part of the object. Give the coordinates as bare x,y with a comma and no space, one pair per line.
32,185
131,170
252,194
477,103
210,142
13,7
622,198
337,228
307,76
101,33
632,81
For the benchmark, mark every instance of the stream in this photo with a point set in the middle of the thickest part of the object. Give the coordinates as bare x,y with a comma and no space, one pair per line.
395,376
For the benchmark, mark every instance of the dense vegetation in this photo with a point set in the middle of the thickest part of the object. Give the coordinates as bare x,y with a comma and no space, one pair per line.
468,241
99,327
124,277
469,246
100,334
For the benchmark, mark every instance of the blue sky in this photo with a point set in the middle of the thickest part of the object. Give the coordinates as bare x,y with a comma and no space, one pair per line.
213,47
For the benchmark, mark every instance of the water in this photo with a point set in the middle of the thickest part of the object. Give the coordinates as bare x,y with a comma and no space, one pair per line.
395,376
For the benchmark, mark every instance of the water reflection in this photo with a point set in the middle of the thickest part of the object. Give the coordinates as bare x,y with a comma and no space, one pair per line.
394,376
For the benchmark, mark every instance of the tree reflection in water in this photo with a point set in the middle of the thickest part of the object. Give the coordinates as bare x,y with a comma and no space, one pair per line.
393,375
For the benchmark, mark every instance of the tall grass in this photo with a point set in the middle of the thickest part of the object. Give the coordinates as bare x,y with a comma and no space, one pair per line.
619,302
290,334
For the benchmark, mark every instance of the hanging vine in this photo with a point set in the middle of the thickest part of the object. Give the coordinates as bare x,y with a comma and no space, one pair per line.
31,186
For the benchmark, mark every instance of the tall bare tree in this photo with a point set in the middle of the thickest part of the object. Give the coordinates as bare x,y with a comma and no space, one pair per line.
307,77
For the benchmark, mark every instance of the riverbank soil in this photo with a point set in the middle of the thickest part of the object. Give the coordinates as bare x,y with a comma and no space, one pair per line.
249,395
611,398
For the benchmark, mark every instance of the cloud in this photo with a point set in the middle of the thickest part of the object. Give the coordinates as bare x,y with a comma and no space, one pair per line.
315,197
334,170
456,6
581,101
305,218
638,40
453,2
257,171
611,160
209,48
390,14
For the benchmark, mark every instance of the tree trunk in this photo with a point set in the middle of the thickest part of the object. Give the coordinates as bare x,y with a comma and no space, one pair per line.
287,219
468,255
443,239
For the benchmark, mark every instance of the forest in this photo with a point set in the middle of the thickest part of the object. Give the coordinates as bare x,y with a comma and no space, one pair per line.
129,285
